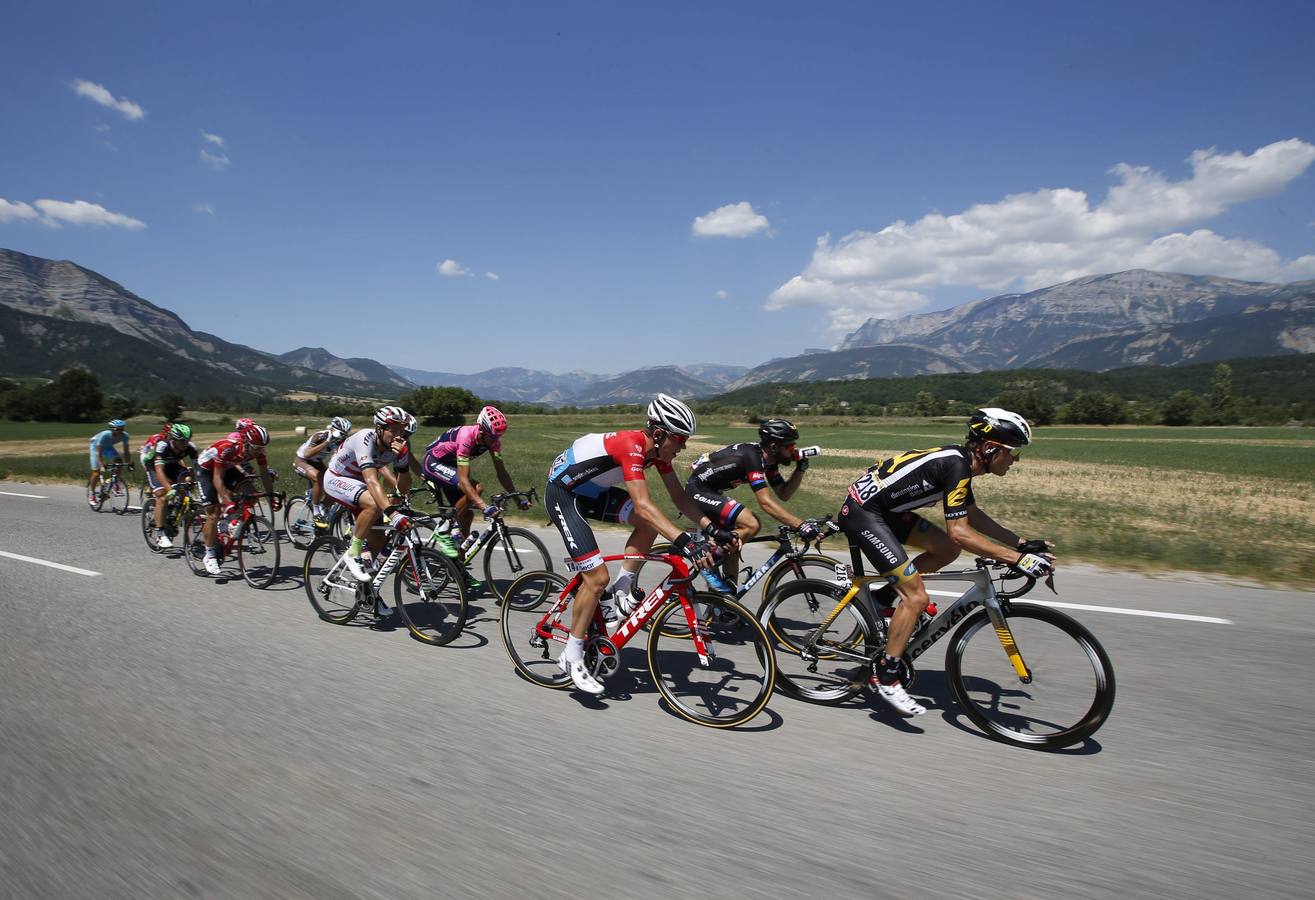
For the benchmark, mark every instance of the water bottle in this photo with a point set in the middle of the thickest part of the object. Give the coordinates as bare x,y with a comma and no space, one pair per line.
806,452
470,540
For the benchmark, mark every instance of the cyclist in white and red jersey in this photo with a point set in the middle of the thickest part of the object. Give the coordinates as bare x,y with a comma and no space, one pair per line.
353,480
877,517
313,457
218,471
446,466
601,476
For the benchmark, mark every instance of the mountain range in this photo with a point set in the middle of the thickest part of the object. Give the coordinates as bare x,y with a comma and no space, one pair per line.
62,313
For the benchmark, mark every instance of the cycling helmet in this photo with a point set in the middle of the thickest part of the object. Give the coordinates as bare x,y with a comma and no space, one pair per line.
340,426
256,434
243,423
492,421
778,431
411,424
391,415
1000,425
669,414
116,423
180,432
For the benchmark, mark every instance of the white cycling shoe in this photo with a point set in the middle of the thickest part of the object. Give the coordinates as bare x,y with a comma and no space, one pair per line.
162,541
897,697
212,566
580,676
353,564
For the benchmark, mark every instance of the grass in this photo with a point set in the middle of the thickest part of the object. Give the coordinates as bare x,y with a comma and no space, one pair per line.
1232,501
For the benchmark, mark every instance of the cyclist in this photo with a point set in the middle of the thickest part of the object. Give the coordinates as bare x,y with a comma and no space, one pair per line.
219,469
353,479
446,467
103,453
758,465
878,518
601,476
313,455
162,459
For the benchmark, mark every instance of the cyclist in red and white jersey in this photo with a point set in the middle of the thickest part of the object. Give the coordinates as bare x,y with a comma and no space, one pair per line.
218,471
601,476
313,457
353,480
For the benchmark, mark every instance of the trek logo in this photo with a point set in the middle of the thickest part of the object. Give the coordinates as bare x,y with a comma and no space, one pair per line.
644,609
561,525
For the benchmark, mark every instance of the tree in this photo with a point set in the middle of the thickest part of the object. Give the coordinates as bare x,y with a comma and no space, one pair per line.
117,406
1093,408
440,405
75,396
1180,409
170,407
1032,403
1221,405
927,404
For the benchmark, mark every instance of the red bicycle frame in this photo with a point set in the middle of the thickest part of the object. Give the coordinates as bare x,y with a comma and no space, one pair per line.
550,627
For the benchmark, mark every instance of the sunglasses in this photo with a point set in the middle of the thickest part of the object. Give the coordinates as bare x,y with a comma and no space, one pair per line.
679,439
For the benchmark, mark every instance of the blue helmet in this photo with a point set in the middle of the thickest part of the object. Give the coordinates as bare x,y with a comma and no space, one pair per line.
117,423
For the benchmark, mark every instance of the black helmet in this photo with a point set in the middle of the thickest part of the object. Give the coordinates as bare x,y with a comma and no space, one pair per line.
999,425
778,431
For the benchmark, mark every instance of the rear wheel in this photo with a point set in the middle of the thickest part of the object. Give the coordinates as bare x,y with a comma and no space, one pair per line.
820,665
119,497
333,592
430,597
298,522
194,541
148,524
527,601
258,551
505,561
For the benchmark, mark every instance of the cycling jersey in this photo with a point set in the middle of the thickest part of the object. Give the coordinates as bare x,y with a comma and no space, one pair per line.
319,437
918,478
733,466
460,445
362,451
160,450
102,447
228,452
596,462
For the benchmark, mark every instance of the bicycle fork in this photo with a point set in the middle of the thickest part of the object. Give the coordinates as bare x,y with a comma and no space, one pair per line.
1001,626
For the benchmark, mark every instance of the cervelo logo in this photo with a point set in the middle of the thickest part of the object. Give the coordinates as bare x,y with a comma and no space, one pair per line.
630,625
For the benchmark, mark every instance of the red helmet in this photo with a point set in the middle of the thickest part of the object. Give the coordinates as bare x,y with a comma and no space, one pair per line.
493,421
243,424
255,434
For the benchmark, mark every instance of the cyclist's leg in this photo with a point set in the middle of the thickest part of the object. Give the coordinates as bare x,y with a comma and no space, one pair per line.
94,478
158,491
465,512
209,531
938,550
568,512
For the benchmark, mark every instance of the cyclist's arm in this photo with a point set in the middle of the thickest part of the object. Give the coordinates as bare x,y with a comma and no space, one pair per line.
467,486
969,538
786,489
504,477
265,478
316,449
647,511
983,523
774,509
221,489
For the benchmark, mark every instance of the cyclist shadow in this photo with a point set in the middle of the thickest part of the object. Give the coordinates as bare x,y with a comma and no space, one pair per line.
1000,703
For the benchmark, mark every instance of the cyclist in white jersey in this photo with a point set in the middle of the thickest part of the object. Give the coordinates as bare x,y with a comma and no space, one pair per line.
313,457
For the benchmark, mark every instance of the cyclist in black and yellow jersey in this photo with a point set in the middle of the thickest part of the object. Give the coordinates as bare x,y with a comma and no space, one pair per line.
878,518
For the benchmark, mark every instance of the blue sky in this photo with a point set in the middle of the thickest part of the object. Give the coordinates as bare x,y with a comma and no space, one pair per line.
608,185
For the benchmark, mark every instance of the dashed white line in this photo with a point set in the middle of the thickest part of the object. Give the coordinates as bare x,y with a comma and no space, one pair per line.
33,496
1182,617
45,562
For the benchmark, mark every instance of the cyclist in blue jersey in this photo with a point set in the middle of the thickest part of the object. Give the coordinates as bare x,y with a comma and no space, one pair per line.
103,453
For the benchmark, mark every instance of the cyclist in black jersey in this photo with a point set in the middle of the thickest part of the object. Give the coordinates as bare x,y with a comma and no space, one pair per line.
878,518
757,465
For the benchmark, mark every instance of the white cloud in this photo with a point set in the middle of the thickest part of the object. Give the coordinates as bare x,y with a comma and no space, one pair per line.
16,211
1027,241
99,94
213,139
215,161
204,209
491,276
731,220
721,295
55,213
450,268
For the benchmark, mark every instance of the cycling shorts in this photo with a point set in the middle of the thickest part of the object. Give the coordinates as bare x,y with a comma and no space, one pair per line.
569,512
304,467
881,538
172,470
205,481
102,458
346,491
443,478
722,510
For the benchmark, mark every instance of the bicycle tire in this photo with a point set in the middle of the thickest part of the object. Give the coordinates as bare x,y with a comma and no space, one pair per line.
148,524
194,542
1055,647
828,669
504,563
335,596
527,600
674,663
119,496
258,552
432,601
298,522
810,565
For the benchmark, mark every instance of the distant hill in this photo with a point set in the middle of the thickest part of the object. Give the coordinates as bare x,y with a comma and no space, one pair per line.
57,292
354,369
585,388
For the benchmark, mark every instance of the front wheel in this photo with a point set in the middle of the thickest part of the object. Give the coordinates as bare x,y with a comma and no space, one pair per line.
333,592
194,541
730,684
258,551
148,525
298,522
506,560
119,497
527,601
819,661
431,597
1070,692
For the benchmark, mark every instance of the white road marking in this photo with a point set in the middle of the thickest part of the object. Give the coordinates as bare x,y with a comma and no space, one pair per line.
33,496
1183,617
53,565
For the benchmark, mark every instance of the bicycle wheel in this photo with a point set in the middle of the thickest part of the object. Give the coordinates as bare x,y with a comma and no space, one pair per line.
119,497
727,688
258,551
811,565
298,522
332,590
194,541
829,666
148,524
431,598
1071,690
528,599
505,561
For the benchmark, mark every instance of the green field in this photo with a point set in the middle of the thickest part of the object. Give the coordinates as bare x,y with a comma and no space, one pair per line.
1233,501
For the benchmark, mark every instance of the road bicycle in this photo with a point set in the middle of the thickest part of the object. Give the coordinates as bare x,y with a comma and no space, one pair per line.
1035,678
716,675
508,551
428,592
179,506
244,530
113,491
300,526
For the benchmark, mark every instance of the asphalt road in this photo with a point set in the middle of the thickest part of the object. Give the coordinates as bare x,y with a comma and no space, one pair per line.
163,735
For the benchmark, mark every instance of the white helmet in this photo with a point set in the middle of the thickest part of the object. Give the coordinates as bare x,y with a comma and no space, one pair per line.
392,415
669,414
340,426
991,423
